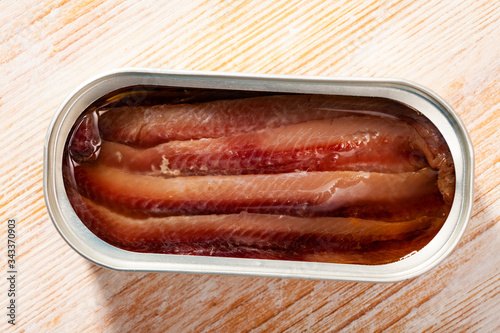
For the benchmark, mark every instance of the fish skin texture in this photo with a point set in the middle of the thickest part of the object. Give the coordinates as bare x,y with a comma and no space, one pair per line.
361,143
152,125
155,125
300,194
257,235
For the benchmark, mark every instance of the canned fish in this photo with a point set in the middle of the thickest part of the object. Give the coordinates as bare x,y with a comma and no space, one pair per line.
305,177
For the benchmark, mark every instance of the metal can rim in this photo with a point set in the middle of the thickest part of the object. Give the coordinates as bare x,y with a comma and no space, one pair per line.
101,253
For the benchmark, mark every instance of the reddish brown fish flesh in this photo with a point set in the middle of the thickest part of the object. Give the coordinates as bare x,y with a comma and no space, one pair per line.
291,177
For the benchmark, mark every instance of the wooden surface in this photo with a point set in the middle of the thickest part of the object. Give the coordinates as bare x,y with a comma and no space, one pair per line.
49,47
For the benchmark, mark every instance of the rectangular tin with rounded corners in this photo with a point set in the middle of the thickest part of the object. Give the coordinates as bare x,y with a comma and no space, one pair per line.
421,99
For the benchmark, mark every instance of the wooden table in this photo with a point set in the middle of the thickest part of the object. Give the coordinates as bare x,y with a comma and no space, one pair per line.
49,47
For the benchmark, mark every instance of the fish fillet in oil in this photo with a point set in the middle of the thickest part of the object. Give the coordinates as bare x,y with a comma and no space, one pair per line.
289,177
277,236
149,126
361,143
370,194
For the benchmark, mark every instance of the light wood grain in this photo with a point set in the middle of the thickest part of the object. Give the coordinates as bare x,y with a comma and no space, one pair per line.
48,48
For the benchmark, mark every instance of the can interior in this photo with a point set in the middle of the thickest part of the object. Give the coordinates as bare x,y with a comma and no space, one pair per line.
153,94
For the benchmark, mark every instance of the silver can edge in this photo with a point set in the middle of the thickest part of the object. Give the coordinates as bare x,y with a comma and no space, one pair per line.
101,253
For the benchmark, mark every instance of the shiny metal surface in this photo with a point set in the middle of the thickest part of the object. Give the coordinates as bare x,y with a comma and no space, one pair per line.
100,252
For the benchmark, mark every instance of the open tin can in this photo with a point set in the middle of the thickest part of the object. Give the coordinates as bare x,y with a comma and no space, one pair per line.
100,252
